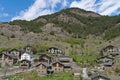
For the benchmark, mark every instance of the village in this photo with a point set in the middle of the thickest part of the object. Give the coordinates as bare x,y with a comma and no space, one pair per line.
54,60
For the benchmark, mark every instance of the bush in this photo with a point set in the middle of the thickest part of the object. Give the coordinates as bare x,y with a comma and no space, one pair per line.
117,70
52,33
13,36
89,73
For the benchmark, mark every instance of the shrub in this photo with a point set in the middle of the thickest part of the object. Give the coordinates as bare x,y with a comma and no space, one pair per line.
13,36
52,33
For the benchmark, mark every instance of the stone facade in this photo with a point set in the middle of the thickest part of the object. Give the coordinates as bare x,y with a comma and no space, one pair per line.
45,58
66,61
57,67
16,53
45,63
25,64
8,59
110,50
41,69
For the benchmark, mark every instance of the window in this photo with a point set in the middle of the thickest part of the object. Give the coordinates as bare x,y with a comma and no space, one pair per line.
60,65
54,65
55,68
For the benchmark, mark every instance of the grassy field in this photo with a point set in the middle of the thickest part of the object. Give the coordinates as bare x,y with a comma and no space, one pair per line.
33,76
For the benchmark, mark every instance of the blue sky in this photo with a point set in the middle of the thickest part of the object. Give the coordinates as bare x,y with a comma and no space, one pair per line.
31,9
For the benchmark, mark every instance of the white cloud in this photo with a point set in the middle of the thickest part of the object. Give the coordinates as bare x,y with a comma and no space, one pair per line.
84,4
39,7
103,7
43,7
107,7
64,3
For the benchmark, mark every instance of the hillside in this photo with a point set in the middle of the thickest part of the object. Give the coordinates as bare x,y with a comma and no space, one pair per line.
61,27
65,27
79,23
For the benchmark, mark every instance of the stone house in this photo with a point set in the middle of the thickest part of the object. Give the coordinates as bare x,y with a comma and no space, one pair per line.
66,61
25,64
8,59
16,53
45,58
4,52
106,62
54,50
43,68
57,67
110,50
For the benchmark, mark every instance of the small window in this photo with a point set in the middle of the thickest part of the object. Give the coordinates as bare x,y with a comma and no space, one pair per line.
55,68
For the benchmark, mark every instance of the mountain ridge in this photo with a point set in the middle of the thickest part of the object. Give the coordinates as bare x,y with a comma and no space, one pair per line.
76,22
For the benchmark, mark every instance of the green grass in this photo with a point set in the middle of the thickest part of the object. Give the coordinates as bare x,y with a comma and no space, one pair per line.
18,76
58,76
84,60
74,41
33,76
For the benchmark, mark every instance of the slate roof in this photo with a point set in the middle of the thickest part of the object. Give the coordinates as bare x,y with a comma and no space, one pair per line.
67,65
105,57
45,64
99,76
42,55
58,62
11,56
108,63
64,58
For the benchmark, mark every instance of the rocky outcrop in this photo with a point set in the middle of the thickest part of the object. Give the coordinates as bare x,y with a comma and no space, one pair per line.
10,30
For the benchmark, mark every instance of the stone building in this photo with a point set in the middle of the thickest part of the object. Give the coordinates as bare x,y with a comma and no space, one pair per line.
16,53
7,58
25,64
110,50
66,61
45,58
43,68
57,67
